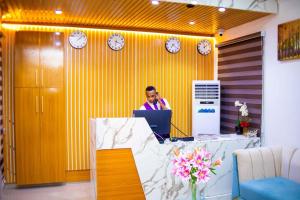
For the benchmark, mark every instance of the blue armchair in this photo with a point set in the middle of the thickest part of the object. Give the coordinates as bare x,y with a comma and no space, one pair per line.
266,174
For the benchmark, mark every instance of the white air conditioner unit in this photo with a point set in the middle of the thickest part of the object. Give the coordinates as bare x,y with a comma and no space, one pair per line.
206,108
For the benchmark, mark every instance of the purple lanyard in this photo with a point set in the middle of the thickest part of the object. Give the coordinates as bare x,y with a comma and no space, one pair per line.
148,107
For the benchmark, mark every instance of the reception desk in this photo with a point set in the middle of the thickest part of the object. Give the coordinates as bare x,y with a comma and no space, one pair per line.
153,160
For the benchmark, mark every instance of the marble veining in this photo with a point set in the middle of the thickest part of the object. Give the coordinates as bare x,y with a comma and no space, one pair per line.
153,160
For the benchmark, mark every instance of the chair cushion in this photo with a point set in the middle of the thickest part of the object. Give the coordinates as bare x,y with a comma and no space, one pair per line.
270,189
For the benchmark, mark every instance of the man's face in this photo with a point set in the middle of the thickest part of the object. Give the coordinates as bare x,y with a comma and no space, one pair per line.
151,95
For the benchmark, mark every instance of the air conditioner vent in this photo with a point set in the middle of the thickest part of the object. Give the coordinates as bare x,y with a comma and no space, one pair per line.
206,91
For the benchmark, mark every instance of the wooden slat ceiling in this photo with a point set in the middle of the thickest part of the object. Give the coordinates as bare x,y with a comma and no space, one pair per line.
126,14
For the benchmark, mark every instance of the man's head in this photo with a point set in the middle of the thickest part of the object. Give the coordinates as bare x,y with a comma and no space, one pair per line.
151,94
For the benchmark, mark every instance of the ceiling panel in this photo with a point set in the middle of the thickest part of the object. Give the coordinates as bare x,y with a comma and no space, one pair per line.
127,14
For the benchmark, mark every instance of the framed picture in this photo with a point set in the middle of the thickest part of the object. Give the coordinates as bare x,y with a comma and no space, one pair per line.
289,40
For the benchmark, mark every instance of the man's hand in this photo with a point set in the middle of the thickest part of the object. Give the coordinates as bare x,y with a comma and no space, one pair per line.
163,107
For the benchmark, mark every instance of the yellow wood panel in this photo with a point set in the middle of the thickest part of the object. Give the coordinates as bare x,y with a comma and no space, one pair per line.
117,176
28,145
51,59
52,139
77,176
128,14
27,55
100,82
8,102
53,118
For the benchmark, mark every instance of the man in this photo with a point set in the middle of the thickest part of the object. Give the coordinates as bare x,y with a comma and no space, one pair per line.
154,101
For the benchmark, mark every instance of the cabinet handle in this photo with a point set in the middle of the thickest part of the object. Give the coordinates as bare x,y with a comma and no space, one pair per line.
36,104
42,104
36,77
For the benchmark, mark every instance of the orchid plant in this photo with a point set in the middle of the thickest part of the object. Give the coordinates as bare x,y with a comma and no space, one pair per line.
195,167
243,118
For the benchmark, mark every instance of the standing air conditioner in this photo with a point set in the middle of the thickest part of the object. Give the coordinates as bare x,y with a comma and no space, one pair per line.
206,107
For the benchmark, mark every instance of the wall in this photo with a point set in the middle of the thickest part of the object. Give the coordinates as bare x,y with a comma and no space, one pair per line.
1,121
281,95
100,82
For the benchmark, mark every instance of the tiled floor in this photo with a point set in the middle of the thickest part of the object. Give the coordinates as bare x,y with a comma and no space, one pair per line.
70,191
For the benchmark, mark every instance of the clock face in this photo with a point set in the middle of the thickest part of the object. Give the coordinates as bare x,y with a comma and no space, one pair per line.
116,41
204,47
173,45
78,39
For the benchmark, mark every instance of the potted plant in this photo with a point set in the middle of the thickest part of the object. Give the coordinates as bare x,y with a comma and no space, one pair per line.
243,120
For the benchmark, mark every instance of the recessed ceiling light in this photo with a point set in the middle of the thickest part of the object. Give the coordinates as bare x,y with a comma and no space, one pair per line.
57,33
57,43
191,22
194,2
222,9
155,2
58,12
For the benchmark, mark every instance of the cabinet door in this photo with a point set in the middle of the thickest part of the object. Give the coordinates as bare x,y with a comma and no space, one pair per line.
52,135
27,59
51,54
27,136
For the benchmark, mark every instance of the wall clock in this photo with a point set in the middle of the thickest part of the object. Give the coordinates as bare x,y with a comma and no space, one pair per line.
116,41
204,47
78,39
173,45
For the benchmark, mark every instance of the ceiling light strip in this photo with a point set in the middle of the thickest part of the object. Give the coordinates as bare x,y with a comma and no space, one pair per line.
15,26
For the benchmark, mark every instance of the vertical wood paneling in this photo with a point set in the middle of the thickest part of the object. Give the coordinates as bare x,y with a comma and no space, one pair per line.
9,145
101,82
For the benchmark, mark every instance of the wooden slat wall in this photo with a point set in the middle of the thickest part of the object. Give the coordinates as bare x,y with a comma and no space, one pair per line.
1,120
100,82
240,73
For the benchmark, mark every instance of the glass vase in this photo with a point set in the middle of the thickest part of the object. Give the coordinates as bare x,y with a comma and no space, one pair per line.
195,194
245,131
194,191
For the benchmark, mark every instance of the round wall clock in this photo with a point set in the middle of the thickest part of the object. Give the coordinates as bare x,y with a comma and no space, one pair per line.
204,47
116,42
78,39
173,45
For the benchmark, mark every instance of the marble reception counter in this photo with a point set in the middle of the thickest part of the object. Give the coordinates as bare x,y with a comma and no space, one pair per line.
153,160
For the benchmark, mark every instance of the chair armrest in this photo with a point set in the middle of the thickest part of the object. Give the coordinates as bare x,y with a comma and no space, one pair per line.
235,178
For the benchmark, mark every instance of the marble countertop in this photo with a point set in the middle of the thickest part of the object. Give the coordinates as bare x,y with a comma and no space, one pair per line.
154,160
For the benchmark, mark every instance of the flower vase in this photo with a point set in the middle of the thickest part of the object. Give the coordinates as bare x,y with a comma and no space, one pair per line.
194,191
195,195
245,131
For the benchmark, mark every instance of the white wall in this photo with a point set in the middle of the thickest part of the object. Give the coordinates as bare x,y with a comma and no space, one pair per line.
281,106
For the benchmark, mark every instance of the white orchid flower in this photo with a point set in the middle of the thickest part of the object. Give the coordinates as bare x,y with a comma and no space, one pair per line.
244,110
237,103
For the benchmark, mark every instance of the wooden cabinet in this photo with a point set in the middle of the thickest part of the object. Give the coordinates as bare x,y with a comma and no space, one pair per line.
52,135
51,55
27,59
39,109
27,129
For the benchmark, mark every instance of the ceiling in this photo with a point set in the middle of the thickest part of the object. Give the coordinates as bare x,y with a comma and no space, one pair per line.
138,15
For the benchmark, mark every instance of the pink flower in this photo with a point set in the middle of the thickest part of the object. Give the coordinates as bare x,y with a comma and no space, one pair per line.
184,173
202,175
198,161
197,164
180,161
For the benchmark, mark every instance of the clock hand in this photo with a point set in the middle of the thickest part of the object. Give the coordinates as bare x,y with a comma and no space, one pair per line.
79,38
